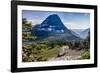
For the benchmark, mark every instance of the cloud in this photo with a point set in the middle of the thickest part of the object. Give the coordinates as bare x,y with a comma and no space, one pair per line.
72,25
86,14
35,21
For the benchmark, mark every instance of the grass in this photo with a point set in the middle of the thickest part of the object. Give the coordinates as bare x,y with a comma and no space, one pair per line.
40,52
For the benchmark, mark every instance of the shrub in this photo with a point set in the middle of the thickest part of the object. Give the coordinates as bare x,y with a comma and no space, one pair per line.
86,55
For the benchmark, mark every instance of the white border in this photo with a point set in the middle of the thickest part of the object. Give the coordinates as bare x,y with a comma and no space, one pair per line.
53,63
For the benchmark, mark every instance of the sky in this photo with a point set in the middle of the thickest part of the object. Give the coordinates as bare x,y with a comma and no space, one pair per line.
71,20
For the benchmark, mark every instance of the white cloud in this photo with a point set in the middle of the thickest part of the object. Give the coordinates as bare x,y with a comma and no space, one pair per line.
35,21
86,14
72,25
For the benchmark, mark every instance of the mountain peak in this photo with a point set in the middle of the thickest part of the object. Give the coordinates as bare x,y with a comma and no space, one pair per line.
53,26
53,16
53,20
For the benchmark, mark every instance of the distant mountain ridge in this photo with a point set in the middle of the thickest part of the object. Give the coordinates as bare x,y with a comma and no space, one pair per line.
52,26
83,33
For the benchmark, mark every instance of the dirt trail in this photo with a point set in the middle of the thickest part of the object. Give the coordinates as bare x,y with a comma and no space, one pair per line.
68,54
